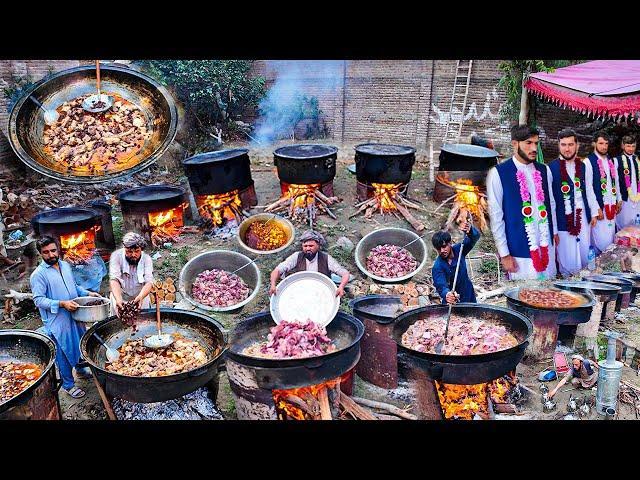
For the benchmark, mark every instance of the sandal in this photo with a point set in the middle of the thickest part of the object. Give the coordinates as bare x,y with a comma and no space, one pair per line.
76,392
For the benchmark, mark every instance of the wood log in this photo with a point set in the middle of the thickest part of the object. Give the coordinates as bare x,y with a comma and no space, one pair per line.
417,225
171,288
157,284
323,400
491,293
169,281
382,416
105,401
355,410
386,407
170,297
504,408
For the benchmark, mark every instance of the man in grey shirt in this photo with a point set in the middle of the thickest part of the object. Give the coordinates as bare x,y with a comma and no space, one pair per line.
130,273
310,259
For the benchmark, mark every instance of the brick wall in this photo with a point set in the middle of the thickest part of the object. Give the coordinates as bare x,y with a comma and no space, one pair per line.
10,69
396,100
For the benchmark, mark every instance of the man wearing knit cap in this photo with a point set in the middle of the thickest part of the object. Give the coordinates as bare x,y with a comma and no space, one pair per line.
312,259
582,374
130,273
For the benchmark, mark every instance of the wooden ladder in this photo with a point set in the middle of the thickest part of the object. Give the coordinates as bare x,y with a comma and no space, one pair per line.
459,96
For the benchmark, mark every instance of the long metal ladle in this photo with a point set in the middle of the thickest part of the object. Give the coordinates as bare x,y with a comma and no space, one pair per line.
160,340
50,116
100,102
442,342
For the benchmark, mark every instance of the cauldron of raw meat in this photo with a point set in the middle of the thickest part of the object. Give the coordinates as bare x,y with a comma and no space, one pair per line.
466,369
194,326
345,331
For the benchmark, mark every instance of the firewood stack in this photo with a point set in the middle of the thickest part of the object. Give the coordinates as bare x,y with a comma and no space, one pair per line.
303,203
163,291
412,294
389,199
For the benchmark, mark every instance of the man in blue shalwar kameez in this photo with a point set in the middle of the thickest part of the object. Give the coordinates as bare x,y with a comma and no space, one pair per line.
444,267
54,289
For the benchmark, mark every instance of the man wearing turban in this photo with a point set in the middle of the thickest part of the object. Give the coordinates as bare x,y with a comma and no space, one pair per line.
130,273
312,259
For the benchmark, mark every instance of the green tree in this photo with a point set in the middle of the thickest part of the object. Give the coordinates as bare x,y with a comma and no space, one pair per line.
215,92
515,73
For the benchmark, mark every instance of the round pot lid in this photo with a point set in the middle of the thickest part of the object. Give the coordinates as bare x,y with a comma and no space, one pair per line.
305,296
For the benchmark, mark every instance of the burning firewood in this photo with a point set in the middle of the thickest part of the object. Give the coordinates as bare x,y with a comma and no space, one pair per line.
355,410
387,198
399,412
303,202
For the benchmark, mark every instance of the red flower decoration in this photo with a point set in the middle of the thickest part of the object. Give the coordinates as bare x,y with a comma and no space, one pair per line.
543,214
527,211
577,183
565,189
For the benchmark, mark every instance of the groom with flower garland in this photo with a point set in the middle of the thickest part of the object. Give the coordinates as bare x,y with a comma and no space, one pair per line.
522,210
576,204
629,175
607,191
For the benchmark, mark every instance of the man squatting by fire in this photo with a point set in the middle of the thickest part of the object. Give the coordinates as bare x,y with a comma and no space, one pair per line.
312,259
130,273
444,268
582,374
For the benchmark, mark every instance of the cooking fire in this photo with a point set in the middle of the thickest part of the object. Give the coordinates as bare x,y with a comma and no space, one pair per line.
166,225
467,197
303,202
389,198
78,247
218,210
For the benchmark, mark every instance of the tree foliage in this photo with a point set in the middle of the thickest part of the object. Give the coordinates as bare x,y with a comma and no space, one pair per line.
515,72
215,92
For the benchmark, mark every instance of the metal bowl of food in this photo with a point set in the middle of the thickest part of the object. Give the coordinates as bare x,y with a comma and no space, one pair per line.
91,309
250,238
154,107
221,260
392,236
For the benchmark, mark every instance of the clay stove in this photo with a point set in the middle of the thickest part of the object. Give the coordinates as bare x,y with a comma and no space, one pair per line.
75,230
306,174
383,173
155,211
222,186
292,389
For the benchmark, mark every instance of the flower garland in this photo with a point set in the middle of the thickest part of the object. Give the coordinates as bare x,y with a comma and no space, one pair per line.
609,208
539,251
574,224
627,180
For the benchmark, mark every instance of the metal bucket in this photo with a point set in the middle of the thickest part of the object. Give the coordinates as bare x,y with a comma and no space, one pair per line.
609,377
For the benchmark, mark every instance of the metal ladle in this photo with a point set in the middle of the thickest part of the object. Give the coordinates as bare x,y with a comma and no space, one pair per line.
100,102
50,116
453,289
112,354
160,340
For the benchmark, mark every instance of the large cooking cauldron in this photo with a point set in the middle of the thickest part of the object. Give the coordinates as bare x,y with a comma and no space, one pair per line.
344,330
459,156
65,221
192,325
382,163
40,400
625,284
306,164
213,173
632,277
466,369
26,120
563,316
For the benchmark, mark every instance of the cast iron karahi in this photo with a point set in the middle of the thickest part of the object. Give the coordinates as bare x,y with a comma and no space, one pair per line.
28,347
26,124
158,197
566,316
383,163
65,221
466,369
218,172
192,325
344,330
382,309
306,163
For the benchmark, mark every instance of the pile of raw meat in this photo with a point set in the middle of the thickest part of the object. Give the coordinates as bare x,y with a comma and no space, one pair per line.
293,340
466,336
95,143
390,261
219,288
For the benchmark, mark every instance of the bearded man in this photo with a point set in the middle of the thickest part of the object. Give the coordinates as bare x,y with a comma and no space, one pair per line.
522,210
577,208
130,274
312,259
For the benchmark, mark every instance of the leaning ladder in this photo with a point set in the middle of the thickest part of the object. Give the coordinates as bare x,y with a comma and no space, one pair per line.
459,96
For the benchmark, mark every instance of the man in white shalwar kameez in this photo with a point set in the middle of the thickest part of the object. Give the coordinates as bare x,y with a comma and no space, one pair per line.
577,208
516,240
628,172
606,187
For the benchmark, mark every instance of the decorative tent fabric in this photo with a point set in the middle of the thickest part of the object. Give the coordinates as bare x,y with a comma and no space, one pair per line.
601,88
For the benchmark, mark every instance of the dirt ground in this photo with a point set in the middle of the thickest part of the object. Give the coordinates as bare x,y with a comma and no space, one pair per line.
171,260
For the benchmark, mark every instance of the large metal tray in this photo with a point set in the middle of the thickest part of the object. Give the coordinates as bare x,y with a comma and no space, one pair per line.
313,295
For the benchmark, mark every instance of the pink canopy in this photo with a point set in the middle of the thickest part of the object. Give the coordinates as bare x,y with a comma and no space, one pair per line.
600,88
